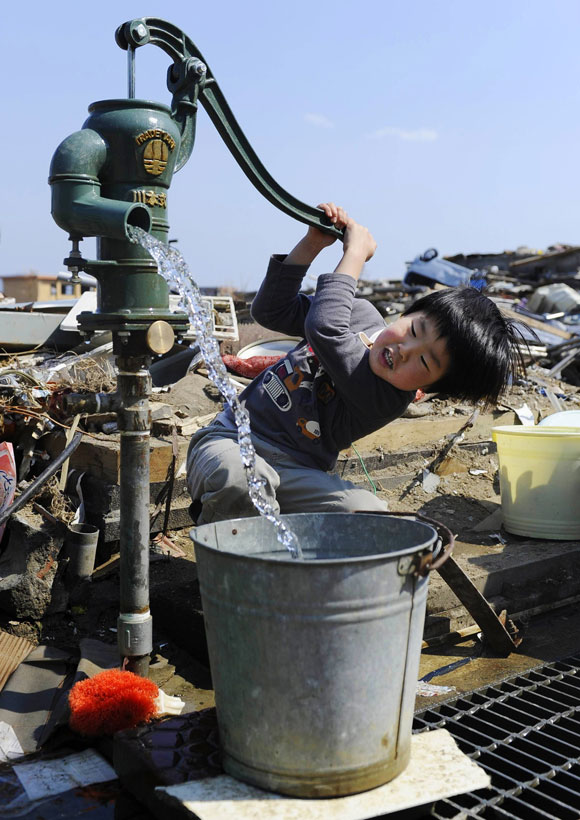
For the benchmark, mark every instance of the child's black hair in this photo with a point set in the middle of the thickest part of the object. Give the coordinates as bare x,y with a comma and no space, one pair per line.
484,346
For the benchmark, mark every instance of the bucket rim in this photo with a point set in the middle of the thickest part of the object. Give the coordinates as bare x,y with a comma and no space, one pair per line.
536,430
428,545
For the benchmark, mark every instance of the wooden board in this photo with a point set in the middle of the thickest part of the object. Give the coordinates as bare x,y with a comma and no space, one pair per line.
536,324
13,650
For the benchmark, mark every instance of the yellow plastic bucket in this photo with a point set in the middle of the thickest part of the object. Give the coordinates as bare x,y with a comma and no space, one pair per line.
540,480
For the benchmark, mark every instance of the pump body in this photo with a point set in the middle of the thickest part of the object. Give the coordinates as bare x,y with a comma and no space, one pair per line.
113,173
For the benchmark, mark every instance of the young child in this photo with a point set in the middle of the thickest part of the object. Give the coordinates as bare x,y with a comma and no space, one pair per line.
349,376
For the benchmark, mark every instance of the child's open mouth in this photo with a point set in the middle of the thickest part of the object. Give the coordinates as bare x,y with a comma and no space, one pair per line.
387,357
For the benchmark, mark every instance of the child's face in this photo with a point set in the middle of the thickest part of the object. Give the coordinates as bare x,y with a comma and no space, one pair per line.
409,353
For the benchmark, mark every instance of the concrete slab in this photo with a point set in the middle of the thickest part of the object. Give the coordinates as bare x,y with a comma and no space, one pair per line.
521,575
437,769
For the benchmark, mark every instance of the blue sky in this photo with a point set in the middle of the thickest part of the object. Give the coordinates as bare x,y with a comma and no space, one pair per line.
446,124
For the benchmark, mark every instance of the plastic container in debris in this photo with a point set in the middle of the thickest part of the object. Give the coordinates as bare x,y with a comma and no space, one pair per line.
539,480
565,418
81,549
314,662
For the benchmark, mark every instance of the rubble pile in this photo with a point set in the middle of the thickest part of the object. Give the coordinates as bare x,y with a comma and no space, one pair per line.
38,427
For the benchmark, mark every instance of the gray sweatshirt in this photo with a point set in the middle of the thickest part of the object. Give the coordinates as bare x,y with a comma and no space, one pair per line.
322,395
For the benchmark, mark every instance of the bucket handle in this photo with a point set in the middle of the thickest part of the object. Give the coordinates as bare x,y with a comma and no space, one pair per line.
425,563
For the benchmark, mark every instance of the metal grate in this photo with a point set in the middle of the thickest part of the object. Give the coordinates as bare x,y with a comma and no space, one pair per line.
525,733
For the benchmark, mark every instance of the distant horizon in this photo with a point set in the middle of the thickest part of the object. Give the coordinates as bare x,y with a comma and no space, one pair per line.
519,250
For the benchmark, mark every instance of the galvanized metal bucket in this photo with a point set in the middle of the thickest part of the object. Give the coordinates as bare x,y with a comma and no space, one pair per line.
315,662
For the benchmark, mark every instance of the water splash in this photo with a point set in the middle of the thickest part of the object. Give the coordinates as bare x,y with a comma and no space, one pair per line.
174,269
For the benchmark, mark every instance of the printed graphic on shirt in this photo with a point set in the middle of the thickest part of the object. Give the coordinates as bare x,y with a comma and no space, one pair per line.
288,385
277,392
310,429
294,379
282,380
326,392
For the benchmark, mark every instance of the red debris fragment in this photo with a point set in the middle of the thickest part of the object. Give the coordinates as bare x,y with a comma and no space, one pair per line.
251,367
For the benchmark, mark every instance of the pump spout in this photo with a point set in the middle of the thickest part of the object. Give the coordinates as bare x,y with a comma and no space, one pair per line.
77,204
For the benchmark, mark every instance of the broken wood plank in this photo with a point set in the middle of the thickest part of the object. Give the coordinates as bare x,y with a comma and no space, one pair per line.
13,651
535,323
493,626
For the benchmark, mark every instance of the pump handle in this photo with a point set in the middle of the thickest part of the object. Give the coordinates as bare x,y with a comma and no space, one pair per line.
188,70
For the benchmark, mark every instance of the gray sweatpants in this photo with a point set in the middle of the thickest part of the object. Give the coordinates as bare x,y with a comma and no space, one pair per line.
217,478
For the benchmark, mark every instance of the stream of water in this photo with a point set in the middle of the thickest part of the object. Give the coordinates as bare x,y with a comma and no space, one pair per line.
174,269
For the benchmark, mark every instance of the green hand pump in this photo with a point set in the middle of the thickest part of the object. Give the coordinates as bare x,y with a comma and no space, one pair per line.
114,173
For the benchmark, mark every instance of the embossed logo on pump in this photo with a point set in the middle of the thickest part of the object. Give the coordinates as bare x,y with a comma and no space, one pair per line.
158,144
155,157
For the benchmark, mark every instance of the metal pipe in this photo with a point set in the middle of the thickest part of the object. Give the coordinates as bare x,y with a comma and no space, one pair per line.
135,625
131,73
75,403
39,482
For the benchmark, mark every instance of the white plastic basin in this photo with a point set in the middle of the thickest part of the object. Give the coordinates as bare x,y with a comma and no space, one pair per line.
540,480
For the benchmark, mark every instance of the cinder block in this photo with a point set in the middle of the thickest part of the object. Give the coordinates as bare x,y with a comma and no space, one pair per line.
100,457
31,567
103,503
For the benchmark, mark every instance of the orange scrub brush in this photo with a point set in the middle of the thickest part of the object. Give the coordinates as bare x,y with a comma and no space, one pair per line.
114,700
